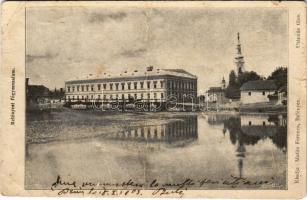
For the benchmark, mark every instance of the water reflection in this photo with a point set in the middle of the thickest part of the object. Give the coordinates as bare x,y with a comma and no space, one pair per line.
167,147
184,128
247,130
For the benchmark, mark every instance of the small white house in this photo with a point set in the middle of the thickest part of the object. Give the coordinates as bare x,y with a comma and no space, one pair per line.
257,91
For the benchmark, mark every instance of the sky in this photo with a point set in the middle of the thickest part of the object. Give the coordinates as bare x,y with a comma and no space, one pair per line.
65,43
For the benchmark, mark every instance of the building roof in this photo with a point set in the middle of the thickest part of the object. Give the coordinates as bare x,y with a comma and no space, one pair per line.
215,89
259,85
149,73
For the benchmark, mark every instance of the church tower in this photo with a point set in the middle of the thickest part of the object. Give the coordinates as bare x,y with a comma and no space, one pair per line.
223,84
239,59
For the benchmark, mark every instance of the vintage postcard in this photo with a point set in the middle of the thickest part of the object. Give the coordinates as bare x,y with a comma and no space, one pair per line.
153,99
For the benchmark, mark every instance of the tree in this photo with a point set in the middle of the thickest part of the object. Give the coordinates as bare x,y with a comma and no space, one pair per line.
232,78
279,76
247,76
232,90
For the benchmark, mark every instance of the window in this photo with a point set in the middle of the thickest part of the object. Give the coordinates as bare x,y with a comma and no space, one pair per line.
117,97
92,87
111,96
135,85
263,93
73,88
82,97
155,95
162,95
111,86
116,86
99,86
135,96
136,133
123,86
148,84
161,84
77,97
104,86
82,88
142,96
68,89
148,133
123,96
155,84
142,132
87,86
263,123
142,85
78,87
129,86
249,94
148,95
249,123
104,97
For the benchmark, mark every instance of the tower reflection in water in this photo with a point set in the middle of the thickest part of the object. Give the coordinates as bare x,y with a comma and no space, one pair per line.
184,128
247,130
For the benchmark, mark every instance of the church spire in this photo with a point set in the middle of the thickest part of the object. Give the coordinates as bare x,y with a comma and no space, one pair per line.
223,83
239,59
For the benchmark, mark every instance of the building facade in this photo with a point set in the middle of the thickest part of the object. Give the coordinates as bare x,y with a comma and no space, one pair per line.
153,85
257,91
216,95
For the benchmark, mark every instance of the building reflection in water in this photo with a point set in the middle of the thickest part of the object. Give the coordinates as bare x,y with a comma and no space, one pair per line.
249,129
182,129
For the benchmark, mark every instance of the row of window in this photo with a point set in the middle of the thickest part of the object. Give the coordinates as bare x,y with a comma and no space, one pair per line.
250,93
113,97
133,85
179,95
115,86
181,85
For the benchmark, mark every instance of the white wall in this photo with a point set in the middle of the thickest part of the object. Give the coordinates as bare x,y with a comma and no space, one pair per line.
255,97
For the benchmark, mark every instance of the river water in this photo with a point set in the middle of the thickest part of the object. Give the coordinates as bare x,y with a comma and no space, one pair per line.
196,146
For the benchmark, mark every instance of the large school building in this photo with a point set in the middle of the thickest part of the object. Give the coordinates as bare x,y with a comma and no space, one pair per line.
153,85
